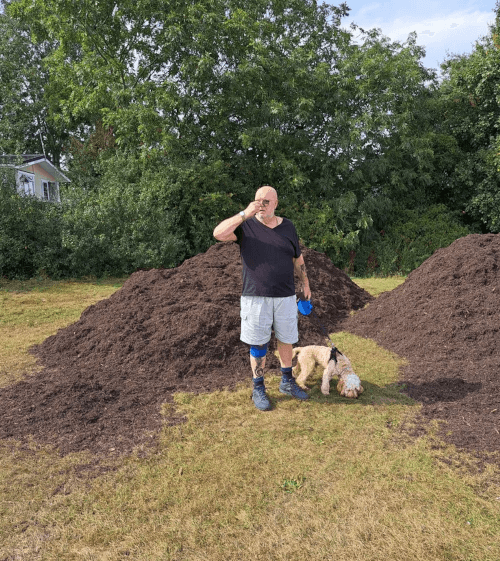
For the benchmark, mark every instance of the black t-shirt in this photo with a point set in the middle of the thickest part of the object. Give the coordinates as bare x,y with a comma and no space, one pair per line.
267,257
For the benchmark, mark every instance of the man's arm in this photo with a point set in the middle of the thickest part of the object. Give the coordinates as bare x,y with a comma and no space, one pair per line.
224,232
300,271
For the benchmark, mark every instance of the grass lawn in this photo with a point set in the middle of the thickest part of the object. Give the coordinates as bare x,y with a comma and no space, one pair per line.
328,479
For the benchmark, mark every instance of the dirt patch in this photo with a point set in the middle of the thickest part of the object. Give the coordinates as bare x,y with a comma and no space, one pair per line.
107,375
445,320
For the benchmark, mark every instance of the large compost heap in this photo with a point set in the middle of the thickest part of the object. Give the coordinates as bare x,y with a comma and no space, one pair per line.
106,376
445,320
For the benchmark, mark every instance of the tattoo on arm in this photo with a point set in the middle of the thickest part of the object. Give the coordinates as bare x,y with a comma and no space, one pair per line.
301,273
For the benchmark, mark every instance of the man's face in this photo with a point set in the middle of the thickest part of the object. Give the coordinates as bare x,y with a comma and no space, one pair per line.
268,202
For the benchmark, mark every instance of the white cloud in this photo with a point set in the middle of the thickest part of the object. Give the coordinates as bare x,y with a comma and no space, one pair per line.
458,25
453,33
368,9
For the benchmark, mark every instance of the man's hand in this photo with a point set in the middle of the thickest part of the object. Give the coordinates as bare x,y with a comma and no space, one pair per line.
304,293
252,209
307,292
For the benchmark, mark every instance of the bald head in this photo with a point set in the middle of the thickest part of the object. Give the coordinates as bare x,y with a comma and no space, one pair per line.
266,192
268,197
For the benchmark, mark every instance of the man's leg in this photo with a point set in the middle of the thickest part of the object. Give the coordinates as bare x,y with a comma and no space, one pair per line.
285,328
285,351
257,365
257,362
256,323
288,384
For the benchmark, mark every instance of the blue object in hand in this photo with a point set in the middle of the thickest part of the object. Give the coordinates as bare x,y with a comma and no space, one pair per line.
305,307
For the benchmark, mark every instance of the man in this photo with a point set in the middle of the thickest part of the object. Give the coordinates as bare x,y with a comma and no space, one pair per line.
270,253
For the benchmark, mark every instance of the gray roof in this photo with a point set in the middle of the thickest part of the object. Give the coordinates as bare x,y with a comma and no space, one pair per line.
24,160
13,159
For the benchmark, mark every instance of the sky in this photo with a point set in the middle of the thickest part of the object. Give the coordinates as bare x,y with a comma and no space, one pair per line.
443,27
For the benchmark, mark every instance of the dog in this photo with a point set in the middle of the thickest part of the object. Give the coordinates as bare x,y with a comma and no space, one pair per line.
334,364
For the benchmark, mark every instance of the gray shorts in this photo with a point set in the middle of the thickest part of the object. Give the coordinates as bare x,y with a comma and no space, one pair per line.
261,314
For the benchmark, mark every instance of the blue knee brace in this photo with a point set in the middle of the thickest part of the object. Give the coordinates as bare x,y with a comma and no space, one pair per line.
258,351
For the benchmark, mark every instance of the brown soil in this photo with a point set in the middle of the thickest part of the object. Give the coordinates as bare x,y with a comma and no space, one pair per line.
106,376
445,320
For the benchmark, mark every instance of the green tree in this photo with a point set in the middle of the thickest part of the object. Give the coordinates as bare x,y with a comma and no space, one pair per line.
216,97
25,123
407,240
471,105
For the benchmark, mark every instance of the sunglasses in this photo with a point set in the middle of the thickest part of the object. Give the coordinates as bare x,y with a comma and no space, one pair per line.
264,202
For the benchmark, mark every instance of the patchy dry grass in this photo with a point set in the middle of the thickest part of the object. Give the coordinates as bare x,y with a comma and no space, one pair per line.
329,478
375,286
31,311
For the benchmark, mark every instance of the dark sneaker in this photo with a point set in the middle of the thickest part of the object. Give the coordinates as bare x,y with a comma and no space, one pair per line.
290,387
260,398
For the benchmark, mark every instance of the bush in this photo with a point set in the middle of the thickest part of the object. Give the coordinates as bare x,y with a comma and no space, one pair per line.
119,227
196,197
408,241
114,229
143,215
30,234
333,227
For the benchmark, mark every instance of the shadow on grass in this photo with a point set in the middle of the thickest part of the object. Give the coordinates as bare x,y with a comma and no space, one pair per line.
391,394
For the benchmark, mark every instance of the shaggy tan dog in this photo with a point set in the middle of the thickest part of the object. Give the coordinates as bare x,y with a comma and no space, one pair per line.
334,364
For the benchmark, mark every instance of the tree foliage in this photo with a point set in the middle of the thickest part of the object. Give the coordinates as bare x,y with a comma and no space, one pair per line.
471,104
175,112
25,123
121,228
406,242
30,234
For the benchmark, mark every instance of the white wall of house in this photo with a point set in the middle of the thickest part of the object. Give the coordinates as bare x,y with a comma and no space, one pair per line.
34,180
46,186
35,175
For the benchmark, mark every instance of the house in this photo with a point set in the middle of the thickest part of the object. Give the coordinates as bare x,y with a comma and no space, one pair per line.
35,175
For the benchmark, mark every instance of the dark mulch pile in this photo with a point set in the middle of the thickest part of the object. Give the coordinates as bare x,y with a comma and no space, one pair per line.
445,319
106,375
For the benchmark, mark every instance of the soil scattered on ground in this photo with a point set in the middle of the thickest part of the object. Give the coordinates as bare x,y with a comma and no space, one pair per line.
445,320
106,376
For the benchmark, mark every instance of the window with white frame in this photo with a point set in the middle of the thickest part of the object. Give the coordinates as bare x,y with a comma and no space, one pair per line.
54,191
26,183
50,191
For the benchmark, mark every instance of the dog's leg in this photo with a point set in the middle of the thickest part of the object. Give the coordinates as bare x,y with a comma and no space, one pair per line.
327,376
301,370
296,368
325,383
